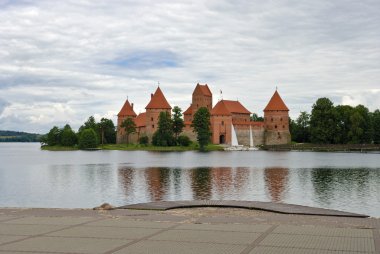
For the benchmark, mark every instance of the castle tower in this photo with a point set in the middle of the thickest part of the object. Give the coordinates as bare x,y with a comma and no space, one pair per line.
157,104
276,121
202,97
125,112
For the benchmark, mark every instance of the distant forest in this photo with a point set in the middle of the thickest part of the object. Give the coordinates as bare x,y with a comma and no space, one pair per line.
15,136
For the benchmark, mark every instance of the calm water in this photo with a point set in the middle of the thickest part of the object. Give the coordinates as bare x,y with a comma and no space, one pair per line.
30,177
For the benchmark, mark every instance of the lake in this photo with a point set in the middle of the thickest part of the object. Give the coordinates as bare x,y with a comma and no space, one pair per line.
30,177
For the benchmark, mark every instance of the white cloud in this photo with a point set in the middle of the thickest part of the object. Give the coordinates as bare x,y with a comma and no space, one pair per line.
88,56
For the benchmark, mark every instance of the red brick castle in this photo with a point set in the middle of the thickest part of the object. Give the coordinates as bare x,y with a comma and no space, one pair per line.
228,119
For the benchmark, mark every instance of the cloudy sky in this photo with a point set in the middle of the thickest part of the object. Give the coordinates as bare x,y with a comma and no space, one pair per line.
62,61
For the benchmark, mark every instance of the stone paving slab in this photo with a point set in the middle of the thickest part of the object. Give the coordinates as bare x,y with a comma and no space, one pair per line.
66,221
128,223
226,227
61,244
277,250
106,232
9,238
17,229
323,231
207,236
265,206
168,247
320,242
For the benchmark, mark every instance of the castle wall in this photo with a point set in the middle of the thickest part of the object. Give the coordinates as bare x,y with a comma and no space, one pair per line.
277,127
277,137
188,131
151,121
221,129
243,134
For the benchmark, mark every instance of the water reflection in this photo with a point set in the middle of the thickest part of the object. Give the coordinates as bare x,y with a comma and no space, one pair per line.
157,180
276,180
201,183
30,177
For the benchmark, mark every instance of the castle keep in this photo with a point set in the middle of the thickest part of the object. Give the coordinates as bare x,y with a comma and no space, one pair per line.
228,118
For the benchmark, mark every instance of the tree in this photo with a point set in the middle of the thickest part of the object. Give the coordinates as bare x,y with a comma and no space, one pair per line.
177,120
323,122
360,130
88,139
89,124
129,127
344,113
302,132
54,136
201,125
107,131
376,126
68,136
257,118
164,135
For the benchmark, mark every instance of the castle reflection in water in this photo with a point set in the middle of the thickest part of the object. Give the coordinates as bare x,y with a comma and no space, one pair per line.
157,183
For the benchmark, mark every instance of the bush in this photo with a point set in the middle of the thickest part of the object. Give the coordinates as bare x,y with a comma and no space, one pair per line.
143,140
88,139
184,140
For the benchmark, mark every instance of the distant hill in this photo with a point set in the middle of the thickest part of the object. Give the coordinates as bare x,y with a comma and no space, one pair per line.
16,136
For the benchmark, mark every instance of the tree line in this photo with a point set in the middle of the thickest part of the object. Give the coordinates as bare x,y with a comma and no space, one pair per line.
341,124
89,135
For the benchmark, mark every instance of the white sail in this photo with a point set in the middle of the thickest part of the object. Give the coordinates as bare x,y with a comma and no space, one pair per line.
234,141
250,137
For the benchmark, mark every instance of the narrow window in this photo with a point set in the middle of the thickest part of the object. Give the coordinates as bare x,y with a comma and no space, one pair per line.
151,119
271,120
275,126
222,122
153,126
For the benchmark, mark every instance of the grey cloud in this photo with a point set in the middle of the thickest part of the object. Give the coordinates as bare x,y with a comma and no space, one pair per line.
53,52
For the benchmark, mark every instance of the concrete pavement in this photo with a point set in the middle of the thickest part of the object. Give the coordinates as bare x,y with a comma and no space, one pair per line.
195,230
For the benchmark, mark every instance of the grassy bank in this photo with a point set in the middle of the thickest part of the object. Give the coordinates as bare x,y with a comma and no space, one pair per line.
59,148
324,147
137,147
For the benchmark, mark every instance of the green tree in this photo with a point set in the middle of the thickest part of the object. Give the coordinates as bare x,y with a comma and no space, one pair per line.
360,126
164,136
303,125
54,136
344,113
376,126
323,122
107,131
68,136
144,140
88,139
177,120
89,124
129,127
257,118
201,125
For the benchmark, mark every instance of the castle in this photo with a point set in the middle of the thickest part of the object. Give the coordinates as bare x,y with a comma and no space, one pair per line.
227,118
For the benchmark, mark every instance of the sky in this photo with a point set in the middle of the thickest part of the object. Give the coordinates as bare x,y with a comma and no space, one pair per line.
63,61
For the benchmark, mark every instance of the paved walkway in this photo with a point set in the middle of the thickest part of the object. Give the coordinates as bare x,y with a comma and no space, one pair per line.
195,230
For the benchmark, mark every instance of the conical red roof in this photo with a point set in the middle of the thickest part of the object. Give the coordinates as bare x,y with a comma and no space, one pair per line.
158,101
127,110
276,103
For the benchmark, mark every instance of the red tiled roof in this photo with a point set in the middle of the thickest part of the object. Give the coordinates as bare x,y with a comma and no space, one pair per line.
189,110
276,103
203,89
158,101
126,110
225,107
220,109
140,120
